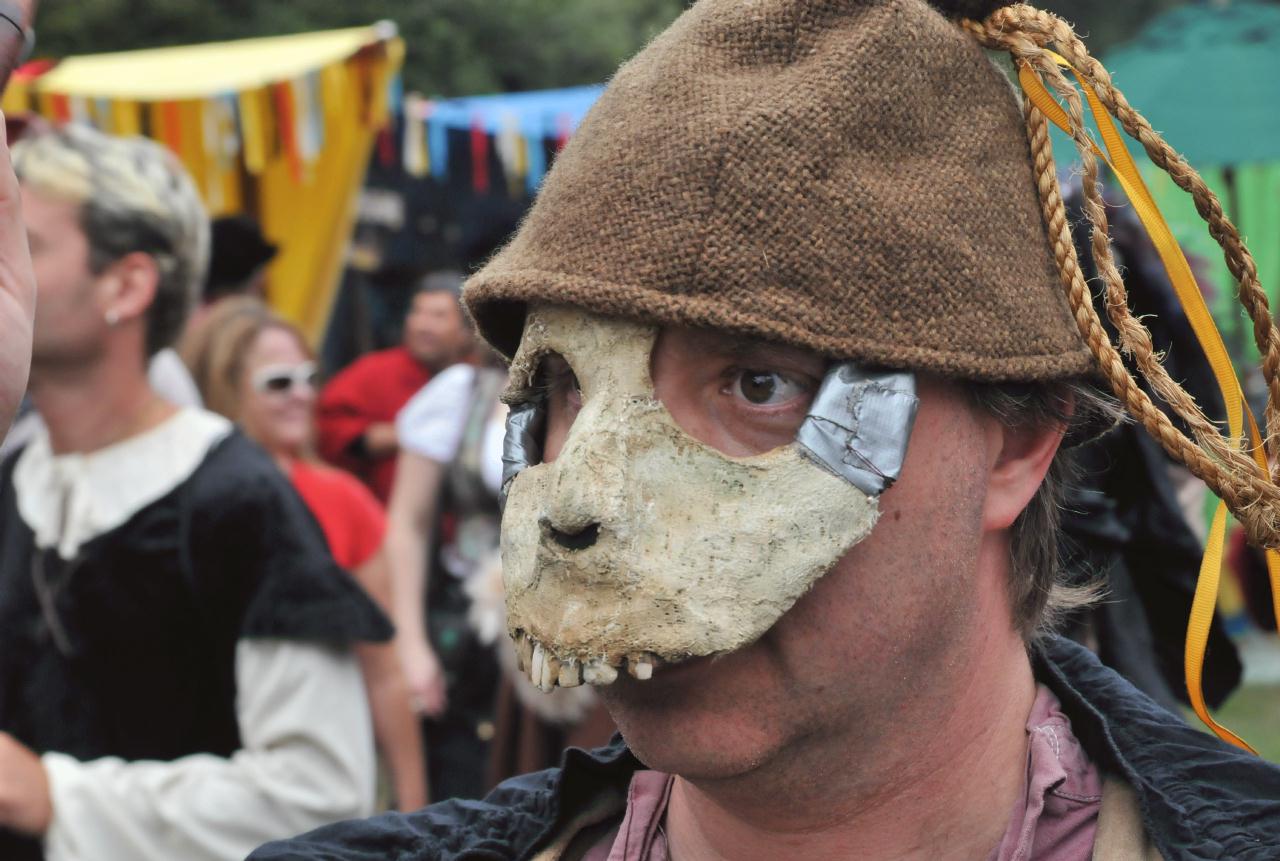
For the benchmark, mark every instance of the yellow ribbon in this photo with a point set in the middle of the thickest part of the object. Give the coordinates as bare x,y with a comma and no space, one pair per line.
1175,263
253,132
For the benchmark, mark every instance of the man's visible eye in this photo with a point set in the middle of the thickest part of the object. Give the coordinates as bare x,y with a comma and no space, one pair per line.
556,380
560,378
557,385
765,388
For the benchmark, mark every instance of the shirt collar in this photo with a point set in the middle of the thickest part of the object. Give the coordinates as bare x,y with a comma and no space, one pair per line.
67,500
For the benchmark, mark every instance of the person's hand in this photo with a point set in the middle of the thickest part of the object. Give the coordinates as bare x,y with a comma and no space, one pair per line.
424,676
381,439
17,293
25,805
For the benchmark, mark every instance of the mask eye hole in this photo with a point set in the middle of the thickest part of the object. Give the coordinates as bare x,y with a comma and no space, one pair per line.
738,395
557,386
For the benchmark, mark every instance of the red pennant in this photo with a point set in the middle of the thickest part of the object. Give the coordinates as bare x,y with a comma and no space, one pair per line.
386,146
171,122
479,157
33,69
564,129
60,105
286,121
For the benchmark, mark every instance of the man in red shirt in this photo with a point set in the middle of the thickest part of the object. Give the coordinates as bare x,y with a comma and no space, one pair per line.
356,418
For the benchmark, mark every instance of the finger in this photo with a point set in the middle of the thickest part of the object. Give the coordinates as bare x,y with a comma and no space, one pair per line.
434,705
16,277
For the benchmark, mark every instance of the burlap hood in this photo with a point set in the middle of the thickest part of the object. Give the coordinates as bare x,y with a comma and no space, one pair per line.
850,176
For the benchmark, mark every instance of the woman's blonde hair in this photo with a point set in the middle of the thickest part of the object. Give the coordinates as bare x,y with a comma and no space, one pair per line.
215,350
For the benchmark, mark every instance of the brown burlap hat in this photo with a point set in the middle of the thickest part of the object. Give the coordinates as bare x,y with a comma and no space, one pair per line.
850,176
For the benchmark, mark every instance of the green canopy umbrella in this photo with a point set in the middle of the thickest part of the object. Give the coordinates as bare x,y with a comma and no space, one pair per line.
1207,77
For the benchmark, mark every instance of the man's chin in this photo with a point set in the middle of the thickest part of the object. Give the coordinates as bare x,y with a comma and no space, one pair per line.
692,723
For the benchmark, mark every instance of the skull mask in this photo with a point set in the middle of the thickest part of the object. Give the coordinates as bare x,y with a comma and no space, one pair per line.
640,545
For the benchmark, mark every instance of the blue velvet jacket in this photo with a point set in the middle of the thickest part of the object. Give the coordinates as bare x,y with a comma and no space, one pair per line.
1199,798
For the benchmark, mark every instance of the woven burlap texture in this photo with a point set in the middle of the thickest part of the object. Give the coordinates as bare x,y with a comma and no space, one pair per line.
850,177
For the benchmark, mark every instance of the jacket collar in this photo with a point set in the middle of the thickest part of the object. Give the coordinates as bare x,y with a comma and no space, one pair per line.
1200,798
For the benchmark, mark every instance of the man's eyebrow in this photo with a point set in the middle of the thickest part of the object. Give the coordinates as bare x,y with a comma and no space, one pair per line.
745,346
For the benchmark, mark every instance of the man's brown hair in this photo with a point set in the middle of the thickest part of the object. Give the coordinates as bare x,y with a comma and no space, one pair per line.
1039,591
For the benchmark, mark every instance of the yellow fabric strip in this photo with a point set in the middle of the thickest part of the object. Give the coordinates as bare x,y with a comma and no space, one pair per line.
126,119
253,142
17,98
1188,292
1206,597
1175,264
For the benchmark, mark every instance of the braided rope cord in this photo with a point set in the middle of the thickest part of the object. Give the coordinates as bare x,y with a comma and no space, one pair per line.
1249,491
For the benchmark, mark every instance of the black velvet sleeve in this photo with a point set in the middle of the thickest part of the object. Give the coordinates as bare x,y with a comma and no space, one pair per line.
256,551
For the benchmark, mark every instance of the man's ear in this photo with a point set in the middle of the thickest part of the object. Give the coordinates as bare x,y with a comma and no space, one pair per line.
1020,458
131,284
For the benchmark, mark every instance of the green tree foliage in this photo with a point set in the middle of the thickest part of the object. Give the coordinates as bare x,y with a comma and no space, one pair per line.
455,47
459,47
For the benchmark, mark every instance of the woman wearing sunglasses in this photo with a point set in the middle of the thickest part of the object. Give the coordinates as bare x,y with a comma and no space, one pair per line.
256,369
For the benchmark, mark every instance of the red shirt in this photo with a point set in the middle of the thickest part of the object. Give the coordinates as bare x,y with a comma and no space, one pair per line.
353,521
370,390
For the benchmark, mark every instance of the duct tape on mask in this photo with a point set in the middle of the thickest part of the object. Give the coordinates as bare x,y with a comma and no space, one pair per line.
522,446
859,425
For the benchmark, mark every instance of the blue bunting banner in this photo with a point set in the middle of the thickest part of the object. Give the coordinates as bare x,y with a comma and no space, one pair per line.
519,124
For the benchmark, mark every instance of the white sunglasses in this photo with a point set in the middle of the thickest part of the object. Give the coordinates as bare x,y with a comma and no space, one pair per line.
280,379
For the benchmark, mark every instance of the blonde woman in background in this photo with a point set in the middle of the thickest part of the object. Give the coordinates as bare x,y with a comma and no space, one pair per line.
256,369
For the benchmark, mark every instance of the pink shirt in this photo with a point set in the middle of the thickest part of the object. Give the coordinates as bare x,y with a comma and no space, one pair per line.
1055,818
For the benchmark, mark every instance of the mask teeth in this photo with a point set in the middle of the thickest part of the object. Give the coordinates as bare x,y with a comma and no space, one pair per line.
550,673
570,673
640,667
597,672
524,653
547,672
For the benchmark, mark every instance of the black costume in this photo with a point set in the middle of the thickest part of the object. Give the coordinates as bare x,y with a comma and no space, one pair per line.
128,648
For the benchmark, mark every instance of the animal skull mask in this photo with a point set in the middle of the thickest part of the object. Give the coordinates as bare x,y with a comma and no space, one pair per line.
640,545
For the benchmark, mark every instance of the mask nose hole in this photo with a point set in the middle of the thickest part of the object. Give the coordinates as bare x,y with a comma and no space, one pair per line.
578,540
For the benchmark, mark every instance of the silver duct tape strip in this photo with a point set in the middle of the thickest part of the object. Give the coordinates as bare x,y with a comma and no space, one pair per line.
522,446
859,425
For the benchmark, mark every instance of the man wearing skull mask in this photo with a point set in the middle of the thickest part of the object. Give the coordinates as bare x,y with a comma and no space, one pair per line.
792,366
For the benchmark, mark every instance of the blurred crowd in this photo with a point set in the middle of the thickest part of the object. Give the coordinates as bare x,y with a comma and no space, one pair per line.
205,543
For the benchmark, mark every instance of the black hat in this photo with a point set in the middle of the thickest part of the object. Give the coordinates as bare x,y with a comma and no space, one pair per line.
238,251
